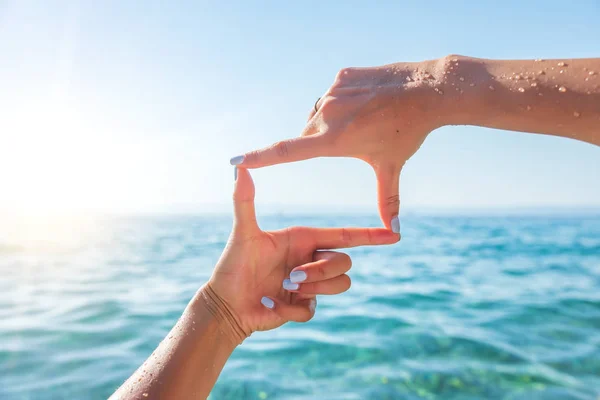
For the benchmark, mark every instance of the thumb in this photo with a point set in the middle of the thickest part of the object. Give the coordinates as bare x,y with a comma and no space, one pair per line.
388,197
244,222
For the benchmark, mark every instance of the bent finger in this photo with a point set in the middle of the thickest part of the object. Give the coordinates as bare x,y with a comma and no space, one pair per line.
301,311
326,265
336,285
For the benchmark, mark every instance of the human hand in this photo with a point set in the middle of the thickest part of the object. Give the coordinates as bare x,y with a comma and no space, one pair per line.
247,286
380,115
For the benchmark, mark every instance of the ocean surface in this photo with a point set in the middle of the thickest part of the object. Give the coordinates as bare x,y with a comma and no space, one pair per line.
461,308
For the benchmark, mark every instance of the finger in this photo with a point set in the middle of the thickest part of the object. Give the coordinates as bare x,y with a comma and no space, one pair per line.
301,311
326,265
388,197
336,238
243,204
336,285
296,149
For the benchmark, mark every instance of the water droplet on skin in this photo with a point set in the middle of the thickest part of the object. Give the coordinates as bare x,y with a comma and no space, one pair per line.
461,79
491,87
592,73
587,79
541,73
472,84
561,64
455,59
576,114
538,60
518,77
533,84
528,108
440,92
562,70
408,79
562,89
145,394
540,94
522,90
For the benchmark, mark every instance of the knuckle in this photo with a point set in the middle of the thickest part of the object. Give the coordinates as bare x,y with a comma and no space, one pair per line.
281,148
321,270
393,200
346,260
343,73
369,240
252,157
346,236
347,282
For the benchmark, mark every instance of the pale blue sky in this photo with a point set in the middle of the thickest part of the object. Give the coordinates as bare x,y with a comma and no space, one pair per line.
138,105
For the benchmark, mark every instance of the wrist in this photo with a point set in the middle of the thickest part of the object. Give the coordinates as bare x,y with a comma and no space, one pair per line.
420,86
227,320
468,88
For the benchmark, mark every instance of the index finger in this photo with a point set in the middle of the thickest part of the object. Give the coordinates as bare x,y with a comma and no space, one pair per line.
296,149
336,238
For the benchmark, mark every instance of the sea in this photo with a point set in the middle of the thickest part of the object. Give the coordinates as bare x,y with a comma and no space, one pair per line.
463,307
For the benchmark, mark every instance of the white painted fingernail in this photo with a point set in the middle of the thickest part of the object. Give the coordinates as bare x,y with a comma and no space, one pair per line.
395,224
267,302
312,305
237,160
297,276
288,285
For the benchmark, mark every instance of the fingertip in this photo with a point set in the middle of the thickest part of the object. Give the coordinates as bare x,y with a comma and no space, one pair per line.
244,185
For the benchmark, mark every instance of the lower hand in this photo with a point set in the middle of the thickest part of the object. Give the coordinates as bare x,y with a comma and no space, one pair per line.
250,280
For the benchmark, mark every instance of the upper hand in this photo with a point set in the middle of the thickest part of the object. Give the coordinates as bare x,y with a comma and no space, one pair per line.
380,115
255,264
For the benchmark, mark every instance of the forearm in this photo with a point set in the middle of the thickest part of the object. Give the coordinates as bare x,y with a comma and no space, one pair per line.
189,360
554,97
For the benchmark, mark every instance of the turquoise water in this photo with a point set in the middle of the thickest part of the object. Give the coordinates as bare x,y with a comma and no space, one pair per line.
462,308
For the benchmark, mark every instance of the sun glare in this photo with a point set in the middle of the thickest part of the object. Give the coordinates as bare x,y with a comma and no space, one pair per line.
52,161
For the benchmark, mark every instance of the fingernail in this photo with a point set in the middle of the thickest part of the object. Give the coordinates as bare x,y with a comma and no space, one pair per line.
237,160
267,302
312,305
395,224
297,276
288,285
235,173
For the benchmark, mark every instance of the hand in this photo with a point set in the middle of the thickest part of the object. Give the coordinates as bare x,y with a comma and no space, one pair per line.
380,115
248,280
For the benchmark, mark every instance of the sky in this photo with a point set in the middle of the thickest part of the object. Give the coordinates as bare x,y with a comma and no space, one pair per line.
138,106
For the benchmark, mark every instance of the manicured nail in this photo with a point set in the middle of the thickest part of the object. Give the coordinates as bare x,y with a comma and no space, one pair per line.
395,224
267,302
297,276
312,305
237,160
235,173
288,285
